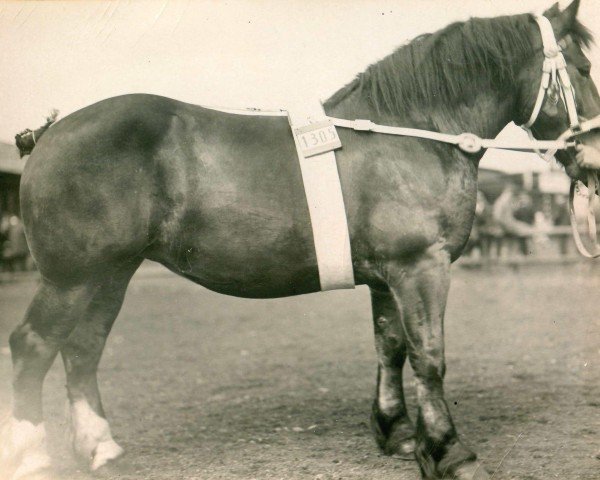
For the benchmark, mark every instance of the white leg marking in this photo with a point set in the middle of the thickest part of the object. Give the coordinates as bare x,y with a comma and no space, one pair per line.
91,435
23,449
388,393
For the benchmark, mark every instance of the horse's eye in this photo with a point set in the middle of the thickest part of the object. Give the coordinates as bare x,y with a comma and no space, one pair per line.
585,70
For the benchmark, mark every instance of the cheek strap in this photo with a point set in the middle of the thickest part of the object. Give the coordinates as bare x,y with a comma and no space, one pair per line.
554,78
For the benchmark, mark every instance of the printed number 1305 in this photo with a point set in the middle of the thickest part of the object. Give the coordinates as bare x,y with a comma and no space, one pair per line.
318,137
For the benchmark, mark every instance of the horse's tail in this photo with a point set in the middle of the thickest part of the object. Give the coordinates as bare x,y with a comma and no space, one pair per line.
27,139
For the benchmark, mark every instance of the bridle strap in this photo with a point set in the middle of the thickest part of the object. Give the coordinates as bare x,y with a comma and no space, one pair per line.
556,77
592,186
553,62
468,142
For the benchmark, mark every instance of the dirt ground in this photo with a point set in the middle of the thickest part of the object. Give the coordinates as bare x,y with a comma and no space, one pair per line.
202,386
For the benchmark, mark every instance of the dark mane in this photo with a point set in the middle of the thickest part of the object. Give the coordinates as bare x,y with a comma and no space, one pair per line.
581,34
445,68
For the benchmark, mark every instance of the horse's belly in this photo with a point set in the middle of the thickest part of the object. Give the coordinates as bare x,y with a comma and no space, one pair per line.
243,269
247,247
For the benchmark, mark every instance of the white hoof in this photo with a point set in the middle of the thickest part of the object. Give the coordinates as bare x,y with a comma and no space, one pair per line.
32,464
22,450
105,451
91,436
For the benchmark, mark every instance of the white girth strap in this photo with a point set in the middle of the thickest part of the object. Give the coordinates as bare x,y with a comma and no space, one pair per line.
326,207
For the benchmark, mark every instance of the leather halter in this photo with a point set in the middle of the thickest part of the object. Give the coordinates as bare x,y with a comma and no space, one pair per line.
555,78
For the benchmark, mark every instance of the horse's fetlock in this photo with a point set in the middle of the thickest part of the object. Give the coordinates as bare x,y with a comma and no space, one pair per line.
394,434
91,435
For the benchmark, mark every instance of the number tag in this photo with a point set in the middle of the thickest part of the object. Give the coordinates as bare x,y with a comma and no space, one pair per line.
316,138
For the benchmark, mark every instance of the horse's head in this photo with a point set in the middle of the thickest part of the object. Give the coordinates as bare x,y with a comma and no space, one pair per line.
551,112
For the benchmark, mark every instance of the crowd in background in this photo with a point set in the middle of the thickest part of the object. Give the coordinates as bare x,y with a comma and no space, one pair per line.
513,223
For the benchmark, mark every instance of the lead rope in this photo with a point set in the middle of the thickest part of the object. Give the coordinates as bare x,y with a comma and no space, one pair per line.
592,185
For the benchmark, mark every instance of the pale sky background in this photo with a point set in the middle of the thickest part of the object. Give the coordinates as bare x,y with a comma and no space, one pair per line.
253,53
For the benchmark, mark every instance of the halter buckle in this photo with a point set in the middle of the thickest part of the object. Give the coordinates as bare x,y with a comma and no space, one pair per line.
575,130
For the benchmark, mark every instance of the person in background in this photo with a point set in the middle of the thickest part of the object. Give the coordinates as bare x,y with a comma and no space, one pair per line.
524,210
561,217
504,214
485,232
14,248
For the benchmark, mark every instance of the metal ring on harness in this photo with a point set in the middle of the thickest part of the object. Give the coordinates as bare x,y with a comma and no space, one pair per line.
469,142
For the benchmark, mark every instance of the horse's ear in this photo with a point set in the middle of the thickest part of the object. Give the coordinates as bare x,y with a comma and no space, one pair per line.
553,11
563,21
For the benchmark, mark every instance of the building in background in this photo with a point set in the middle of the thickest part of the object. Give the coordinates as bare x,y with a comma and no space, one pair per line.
11,167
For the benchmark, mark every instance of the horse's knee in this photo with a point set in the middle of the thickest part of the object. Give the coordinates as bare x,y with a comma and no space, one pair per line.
30,354
429,369
23,339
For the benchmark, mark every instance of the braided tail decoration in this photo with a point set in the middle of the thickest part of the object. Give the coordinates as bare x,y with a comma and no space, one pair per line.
27,139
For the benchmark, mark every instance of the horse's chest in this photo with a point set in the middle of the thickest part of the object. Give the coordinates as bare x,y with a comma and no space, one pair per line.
413,216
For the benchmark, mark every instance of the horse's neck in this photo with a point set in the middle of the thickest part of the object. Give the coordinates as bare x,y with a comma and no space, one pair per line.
485,116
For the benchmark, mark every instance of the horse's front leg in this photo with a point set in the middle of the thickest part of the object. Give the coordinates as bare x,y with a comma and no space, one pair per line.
420,288
394,432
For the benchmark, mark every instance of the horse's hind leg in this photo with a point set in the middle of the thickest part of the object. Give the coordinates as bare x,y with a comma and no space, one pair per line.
49,320
394,432
81,353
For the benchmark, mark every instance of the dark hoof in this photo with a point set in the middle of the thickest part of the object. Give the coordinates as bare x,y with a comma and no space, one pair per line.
394,436
458,463
470,471
404,450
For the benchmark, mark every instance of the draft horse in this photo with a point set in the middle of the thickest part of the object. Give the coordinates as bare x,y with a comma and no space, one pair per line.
218,198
